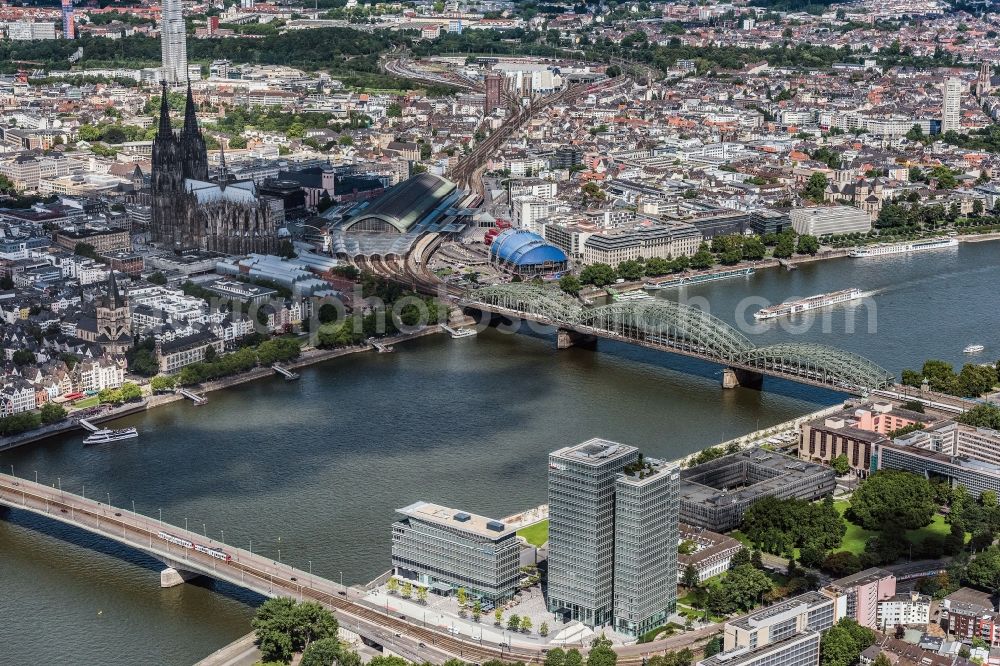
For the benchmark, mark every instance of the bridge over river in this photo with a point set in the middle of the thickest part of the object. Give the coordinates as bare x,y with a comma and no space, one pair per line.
681,329
378,625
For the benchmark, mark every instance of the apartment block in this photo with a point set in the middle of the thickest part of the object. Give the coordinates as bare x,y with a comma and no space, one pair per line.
858,596
785,634
905,608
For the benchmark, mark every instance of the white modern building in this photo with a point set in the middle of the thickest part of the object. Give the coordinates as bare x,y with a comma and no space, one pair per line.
828,220
173,43
904,609
951,106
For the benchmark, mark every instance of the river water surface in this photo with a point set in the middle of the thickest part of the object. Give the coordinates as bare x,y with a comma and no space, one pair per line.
315,468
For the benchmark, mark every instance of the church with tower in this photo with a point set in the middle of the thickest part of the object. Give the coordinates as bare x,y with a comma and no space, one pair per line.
191,211
110,325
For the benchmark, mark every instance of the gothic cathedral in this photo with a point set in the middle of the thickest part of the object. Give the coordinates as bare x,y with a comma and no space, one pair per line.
192,212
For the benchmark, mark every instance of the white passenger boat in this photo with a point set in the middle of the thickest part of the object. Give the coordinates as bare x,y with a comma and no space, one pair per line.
903,248
810,303
973,349
106,435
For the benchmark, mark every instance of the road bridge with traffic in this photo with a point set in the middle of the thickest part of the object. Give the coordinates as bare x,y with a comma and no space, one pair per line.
187,554
681,329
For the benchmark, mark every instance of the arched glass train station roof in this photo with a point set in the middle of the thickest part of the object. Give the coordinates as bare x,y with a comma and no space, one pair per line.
413,201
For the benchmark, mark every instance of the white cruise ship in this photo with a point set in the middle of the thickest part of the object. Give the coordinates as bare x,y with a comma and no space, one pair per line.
902,248
810,303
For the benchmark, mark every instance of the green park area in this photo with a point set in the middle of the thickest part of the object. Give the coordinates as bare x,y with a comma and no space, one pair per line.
536,534
855,537
92,401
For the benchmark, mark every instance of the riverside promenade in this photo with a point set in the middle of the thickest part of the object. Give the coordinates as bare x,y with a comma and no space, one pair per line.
309,356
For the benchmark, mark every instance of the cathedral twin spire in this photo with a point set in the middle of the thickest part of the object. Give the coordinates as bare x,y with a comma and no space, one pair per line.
193,153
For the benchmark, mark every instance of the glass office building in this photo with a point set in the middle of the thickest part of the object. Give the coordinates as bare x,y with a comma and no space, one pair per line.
582,529
446,549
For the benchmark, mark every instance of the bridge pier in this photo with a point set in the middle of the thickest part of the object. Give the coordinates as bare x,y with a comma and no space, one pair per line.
171,577
566,338
735,377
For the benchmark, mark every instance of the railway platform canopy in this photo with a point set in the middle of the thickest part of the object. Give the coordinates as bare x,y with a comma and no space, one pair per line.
391,224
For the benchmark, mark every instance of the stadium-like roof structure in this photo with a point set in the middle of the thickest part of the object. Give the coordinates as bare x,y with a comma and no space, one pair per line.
409,203
521,247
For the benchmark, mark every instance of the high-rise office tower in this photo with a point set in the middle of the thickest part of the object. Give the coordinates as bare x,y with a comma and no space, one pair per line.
582,528
69,30
647,501
951,107
173,42
494,85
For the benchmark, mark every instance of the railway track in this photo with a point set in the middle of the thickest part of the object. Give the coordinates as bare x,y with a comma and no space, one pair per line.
281,580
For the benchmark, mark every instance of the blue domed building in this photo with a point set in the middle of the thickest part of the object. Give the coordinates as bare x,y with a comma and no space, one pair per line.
523,252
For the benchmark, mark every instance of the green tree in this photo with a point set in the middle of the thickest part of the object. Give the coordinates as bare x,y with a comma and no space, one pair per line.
840,464
690,579
573,657
598,275
543,630
703,258
807,245
815,188
23,357
975,380
892,497
513,622
592,190
327,652
983,571
630,270
162,383
785,246
602,655
52,413
130,391
407,589
981,416
525,624
312,622
754,249
422,594
570,284
157,278
498,616
392,585
844,642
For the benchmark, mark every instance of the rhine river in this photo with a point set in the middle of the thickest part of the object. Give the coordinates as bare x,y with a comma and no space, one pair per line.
315,468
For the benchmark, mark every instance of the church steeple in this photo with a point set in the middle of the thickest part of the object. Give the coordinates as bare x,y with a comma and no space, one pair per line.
114,296
164,129
190,119
193,148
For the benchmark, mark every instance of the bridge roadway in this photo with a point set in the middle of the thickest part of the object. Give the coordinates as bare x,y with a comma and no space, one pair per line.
269,578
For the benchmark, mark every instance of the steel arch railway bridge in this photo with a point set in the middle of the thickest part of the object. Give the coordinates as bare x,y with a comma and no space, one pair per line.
682,329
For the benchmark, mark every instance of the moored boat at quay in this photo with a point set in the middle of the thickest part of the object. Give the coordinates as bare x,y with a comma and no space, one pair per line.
903,248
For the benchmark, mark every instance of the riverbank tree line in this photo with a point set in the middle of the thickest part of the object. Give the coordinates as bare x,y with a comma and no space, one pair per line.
972,381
